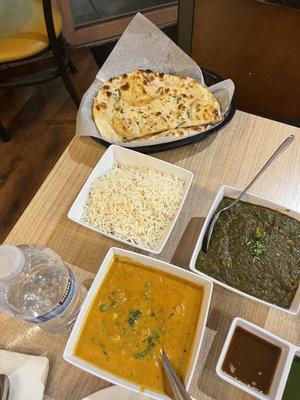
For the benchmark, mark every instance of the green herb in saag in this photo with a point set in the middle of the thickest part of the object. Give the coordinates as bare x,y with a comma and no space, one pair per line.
259,233
258,249
225,260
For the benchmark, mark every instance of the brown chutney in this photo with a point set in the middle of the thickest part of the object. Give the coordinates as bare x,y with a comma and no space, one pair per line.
256,250
251,360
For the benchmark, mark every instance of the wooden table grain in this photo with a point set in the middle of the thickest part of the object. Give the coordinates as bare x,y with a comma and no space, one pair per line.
232,157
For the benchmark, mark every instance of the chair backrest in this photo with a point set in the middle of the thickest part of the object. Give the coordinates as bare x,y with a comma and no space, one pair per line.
15,16
24,16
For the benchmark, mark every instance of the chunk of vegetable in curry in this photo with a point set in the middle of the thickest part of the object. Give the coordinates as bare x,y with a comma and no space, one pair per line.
136,312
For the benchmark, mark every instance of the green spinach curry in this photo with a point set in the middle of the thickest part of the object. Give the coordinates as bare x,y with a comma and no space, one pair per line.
256,250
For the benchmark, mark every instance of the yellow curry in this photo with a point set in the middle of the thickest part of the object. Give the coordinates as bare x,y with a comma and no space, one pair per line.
137,311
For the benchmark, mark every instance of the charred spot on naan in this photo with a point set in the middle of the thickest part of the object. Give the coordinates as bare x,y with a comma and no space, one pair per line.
100,106
147,71
135,95
148,77
208,114
125,86
216,113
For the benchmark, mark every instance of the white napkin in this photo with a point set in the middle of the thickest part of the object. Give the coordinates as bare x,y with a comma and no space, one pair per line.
27,374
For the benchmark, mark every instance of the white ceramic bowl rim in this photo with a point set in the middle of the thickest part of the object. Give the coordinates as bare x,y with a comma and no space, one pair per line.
123,155
288,351
250,198
159,265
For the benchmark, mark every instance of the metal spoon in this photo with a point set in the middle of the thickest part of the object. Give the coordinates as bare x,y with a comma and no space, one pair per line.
177,387
4,387
216,215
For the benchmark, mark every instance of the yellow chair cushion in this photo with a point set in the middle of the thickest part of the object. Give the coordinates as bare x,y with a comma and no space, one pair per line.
30,37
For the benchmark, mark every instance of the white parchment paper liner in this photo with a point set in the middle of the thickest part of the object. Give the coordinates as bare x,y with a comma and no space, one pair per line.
144,46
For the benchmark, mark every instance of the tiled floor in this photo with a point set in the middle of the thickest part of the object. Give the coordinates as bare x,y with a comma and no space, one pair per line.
87,11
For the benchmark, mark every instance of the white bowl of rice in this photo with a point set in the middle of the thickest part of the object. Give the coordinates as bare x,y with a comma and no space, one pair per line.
132,198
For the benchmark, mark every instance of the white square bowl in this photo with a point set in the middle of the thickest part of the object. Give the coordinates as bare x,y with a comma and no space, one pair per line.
288,352
129,157
227,191
158,265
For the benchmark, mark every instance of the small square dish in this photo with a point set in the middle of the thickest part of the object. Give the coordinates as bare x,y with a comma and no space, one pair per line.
131,159
255,360
247,248
130,313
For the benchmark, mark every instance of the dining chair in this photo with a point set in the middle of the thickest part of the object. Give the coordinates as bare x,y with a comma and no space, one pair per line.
31,33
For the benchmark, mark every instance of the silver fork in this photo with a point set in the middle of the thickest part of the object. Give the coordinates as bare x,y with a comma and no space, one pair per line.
210,228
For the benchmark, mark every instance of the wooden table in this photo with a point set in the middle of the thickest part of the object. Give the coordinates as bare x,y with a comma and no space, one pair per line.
230,157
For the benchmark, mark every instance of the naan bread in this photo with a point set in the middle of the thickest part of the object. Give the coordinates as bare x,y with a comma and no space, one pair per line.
177,132
144,103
